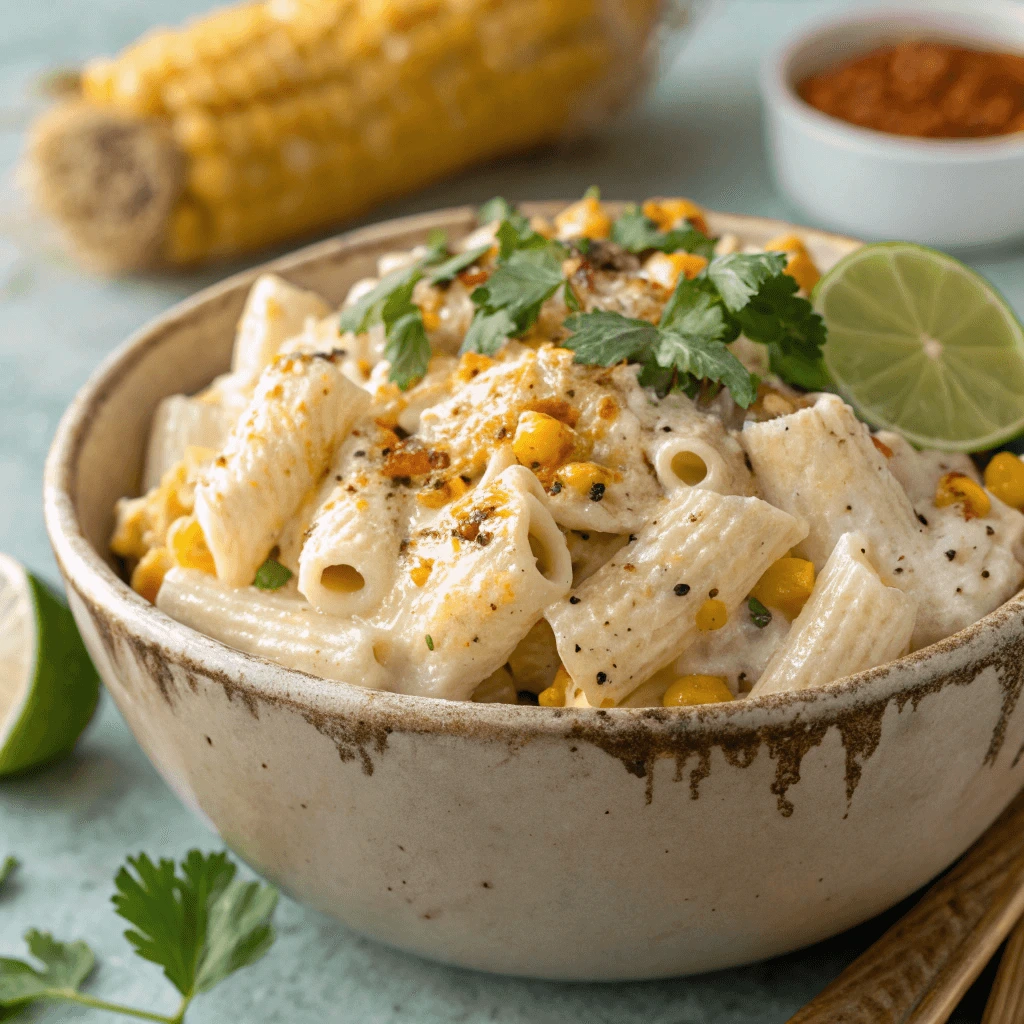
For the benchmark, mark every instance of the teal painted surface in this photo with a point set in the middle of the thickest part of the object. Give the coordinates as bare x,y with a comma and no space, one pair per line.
697,134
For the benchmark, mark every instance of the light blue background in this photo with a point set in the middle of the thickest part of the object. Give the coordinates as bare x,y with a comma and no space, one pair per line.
696,134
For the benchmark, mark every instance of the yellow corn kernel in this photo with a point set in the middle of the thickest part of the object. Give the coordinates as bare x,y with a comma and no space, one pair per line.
128,541
712,615
1004,477
421,573
471,364
188,545
439,496
689,690
431,321
541,441
673,213
665,268
149,574
957,488
800,266
587,478
786,585
554,695
542,226
584,219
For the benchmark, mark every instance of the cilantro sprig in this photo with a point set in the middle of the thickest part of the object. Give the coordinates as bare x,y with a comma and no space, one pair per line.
7,868
196,920
748,293
636,232
272,575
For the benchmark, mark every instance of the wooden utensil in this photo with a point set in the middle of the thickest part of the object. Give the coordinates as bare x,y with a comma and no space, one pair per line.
918,971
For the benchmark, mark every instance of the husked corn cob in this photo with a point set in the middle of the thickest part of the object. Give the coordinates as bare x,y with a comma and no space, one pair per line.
273,119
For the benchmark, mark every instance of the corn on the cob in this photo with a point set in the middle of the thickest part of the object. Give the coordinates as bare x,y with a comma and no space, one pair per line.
273,119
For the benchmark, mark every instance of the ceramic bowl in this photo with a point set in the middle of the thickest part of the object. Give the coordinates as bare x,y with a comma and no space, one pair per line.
555,843
949,193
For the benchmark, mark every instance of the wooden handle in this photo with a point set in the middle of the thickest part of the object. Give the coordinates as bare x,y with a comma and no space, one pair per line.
917,972
1006,1001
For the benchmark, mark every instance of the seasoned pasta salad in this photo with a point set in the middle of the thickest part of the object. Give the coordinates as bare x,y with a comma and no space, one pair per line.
587,462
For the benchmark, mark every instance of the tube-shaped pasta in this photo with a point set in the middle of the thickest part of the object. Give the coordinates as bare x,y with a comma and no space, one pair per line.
700,554
471,584
180,423
820,464
274,312
348,561
691,449
301,410
851,622
279,626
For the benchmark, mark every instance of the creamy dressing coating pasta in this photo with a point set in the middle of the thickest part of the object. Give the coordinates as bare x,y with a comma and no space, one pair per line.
434,533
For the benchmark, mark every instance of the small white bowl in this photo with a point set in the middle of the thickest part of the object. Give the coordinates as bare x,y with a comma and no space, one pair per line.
950,193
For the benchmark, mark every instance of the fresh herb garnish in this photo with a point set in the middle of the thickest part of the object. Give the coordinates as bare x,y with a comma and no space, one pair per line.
430,642
7,868
390,303
759,615
635,231
453,266
733,294
509,303
198,923
271,575
684,348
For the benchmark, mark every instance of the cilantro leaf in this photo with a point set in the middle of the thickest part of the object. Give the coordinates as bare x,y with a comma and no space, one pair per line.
452,267
488,332
807,373
271,575
199,925
739,276
759,615
636,232
520,285
603,338
7,868
694,354
366,311
65,966
407,348
495,209
516,234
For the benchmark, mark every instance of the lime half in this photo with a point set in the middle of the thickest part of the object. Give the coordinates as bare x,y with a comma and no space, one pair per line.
921,344
48,686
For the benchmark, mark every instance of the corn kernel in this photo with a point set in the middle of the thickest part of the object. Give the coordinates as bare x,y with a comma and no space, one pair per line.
957,488
1004,477
786,585
437,497
584,477
800,265
148,575
674,213
421,573
132,520
541,441
431,320
712,615
471,364
554,695
690,690
188,545
666,268
586,219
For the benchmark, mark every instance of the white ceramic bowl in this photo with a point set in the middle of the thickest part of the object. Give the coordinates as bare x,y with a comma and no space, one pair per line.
553,842
948,193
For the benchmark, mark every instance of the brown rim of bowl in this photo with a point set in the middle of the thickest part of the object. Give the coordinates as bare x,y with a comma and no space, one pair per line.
258,679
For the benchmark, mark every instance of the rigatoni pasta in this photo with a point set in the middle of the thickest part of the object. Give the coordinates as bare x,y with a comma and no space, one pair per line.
503,472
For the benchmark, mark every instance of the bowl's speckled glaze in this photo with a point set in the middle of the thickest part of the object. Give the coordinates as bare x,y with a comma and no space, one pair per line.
558,843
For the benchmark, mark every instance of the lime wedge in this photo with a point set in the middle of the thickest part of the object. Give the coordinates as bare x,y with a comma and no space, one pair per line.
48,686
921,344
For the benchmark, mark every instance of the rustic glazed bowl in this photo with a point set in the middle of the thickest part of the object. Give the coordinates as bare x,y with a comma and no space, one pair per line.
557,843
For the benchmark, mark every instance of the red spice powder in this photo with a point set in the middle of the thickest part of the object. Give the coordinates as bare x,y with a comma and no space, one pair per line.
927,89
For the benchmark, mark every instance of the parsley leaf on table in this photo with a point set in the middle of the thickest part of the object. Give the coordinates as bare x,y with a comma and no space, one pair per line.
201,925
65,966
636,232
